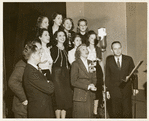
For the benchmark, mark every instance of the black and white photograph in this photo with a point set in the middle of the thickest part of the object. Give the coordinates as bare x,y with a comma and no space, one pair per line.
74,59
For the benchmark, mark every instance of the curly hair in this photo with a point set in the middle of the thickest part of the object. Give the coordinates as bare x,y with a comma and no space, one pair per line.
91,32
39,21
30,48
78,52
54,16
55,36
40,32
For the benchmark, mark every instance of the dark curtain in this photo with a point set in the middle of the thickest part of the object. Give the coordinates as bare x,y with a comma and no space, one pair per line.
18,20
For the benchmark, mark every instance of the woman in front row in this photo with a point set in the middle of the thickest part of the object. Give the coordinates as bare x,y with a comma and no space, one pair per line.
60,72
83,79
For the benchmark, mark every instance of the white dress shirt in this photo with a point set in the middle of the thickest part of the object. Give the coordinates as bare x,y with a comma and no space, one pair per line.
120,60
33,64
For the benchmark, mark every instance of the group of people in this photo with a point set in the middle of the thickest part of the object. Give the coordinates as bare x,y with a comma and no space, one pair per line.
61,73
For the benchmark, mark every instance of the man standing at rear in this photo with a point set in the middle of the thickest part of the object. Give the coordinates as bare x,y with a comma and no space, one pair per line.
118,67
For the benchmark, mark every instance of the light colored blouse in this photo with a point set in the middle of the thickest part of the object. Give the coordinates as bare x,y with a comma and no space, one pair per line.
71,55
46,59
92,54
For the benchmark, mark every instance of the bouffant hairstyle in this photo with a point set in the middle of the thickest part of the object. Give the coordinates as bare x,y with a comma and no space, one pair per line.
70,21
30,47
78,52
88,36
39,21
54,16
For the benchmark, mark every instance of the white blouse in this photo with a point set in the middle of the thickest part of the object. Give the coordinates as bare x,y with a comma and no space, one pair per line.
92,54
71,55
46,59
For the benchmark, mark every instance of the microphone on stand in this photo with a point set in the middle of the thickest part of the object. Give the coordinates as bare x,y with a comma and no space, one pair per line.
103,44
102,38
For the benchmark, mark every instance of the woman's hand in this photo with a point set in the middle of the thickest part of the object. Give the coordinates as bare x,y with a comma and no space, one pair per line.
92,87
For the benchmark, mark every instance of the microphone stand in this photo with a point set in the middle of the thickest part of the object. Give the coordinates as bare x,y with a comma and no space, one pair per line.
103,45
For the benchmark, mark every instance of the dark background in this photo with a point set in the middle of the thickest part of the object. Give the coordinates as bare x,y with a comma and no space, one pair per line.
18,20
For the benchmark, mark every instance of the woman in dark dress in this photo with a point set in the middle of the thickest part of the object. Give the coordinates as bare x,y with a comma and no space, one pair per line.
57,19
60,72
68,26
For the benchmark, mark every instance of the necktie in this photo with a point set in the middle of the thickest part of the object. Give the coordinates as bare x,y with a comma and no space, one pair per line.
118,63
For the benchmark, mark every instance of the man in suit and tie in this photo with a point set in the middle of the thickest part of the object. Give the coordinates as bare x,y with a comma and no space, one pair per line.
118,67
38,88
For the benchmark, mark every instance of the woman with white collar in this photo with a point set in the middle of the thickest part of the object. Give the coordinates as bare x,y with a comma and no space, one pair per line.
46,60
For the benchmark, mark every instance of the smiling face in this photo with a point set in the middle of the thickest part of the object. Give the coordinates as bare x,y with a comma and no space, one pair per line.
61,37
45,23
67,24
58,20
45,38
77,41
84,52
82,26
92,39
117,49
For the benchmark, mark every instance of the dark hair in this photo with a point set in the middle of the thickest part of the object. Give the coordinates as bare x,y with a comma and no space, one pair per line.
78,52
80,20
115,43
74,36
70,21
40,32
29,48
54,16
39,21
55,36
88,36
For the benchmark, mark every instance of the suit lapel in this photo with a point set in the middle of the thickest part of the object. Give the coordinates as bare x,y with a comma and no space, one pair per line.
114,62
123,61
37,71
82,66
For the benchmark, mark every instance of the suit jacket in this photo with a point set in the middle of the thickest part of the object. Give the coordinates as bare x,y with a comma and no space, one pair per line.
38,91
114,76
80,79
15,84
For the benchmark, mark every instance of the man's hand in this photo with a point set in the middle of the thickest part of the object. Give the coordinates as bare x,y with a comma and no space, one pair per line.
135,92
108,95
25,102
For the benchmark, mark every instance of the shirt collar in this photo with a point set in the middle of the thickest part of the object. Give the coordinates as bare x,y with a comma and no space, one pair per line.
120,58
33,64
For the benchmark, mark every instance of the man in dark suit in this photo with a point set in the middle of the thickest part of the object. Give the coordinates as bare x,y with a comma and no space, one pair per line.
37,88
118,67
